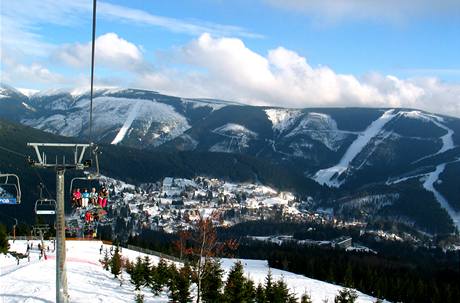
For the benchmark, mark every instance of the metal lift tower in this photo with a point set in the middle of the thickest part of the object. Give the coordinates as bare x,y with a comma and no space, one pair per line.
60,166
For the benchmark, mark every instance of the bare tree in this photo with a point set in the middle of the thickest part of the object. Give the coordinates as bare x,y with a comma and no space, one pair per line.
202,245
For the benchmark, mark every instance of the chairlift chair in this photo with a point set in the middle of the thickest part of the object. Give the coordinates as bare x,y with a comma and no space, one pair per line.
10,198
45,207
89,175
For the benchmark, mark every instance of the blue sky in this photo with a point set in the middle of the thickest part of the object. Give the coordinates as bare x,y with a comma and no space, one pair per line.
295,53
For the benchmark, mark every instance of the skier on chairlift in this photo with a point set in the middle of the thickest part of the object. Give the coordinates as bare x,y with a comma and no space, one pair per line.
76,198
93,196
84,198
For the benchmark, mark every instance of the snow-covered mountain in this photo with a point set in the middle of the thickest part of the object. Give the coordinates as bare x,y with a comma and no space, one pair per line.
354,151
132,117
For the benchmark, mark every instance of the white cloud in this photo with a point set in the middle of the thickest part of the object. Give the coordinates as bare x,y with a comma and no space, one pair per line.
110,51
394,11
226,68
23,23
141,17
13,72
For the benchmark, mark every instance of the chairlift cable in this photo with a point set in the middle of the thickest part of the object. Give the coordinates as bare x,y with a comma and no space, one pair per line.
92,73
43,183
35,169
12,151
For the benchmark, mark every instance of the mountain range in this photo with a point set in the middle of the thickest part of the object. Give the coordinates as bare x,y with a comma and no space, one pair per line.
382,165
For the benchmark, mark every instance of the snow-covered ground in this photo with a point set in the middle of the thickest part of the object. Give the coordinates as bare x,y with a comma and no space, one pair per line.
34,281
329,175
129,121
282,119
428,184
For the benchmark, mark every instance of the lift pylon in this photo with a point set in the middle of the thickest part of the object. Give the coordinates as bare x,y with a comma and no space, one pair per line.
60,165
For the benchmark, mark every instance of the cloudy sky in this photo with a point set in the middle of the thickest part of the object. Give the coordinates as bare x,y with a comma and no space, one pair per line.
294,53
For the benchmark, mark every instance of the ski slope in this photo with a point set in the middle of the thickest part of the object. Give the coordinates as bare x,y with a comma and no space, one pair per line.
34,281
329,176
428,184
129,121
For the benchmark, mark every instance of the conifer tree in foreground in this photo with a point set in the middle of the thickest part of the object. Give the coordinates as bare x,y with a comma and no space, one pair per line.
233,291
4,245
211,287
346,295
237,288
305,298
137,274
160,275
115,263
260,294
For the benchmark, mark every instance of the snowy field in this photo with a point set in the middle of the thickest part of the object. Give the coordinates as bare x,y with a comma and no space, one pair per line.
34,281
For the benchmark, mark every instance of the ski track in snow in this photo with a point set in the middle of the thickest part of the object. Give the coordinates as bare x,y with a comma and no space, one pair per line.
124,129
447,139
430,180
329,175
88,282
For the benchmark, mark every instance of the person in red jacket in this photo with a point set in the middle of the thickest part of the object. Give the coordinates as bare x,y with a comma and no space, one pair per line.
103,197
87,217
76,198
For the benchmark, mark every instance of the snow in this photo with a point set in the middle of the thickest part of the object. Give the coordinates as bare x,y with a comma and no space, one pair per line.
27,106
129,120
88,282
237,138
232,129
322,128
213,104
428,184
447,139
257,270
330,175
282,119
111,113
28,91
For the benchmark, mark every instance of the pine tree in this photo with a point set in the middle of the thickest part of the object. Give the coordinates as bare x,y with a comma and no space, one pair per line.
211,285
137,275
183,284
172,281
115,263
269,292
4,246
348,279
281,293
249,292
139,298
146,271
305,298
106,260
234,287
160,275
346,295
260,294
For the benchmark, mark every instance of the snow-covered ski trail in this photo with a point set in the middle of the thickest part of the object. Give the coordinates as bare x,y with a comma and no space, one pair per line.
329,175
124,129
447,139
430,180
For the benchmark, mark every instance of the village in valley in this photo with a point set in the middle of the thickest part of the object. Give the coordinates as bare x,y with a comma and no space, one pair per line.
175,204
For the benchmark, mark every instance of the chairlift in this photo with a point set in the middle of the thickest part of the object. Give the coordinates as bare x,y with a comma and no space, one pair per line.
45,206
5,196
89,175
